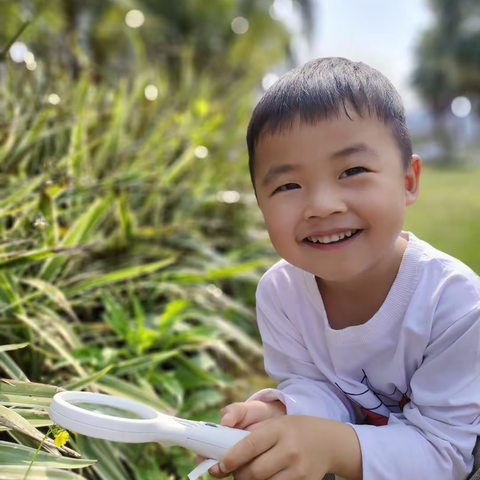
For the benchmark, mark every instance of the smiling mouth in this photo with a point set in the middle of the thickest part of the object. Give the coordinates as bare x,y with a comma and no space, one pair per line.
344,239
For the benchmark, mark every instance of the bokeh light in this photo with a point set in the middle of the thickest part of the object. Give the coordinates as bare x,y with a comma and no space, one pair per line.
18,51
240,25
29,57
201,151
32,65
134,18
54,99
268,80
228,196
461,107
281,9
214,290
151,92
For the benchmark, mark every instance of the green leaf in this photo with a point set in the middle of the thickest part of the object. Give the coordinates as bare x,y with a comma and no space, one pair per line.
236,334
16,472
14,346
24,401
135,364
54,293
118,276
172,313
9,291
170,383
11,368
11,419
21,192
7,415
177,167
202,400
83,382
37,255
36,418
78,234
110,467
213,274
121,388
12,454
116,315
199,373
38,328
58,325
26,394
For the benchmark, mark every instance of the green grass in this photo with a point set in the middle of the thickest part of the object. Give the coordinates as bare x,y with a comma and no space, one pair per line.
447,212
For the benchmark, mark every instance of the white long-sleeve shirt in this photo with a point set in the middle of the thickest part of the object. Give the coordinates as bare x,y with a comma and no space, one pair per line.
407,381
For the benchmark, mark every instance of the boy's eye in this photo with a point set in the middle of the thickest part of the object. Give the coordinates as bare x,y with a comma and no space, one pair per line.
284,187
353,171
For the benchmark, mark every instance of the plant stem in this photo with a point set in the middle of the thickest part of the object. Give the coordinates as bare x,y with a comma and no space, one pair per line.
50,430
4,52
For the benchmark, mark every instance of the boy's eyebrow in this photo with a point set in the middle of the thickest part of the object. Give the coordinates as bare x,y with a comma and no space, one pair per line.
344,152
360,147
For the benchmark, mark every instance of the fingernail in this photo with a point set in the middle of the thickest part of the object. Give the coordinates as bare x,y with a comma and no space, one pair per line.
222,467
225,417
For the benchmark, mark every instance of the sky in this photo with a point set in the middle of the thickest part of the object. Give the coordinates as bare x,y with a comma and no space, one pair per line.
381,33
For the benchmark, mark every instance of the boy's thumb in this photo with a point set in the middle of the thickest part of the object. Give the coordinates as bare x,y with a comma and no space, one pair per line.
228,420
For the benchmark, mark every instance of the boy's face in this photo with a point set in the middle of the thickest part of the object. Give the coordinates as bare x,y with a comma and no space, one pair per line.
345,175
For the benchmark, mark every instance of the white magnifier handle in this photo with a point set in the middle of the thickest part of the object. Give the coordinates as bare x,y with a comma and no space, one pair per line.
201,469
211,440
123,420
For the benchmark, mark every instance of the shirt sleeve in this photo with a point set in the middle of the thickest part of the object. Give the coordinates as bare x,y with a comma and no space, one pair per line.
435,435
301,386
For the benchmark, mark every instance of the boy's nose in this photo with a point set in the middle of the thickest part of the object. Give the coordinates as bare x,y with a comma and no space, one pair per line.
323,203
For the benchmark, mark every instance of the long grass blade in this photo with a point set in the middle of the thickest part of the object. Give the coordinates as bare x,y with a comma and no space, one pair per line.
14,346
18,454
17,472
118,276
11,368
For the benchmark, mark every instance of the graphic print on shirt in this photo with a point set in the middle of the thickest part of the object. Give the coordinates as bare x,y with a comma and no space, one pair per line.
377,410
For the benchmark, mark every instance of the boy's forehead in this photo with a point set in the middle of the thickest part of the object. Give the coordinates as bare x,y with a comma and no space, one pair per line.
325,136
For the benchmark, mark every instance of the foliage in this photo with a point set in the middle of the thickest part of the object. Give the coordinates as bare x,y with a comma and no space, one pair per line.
448,55
79,36
123,269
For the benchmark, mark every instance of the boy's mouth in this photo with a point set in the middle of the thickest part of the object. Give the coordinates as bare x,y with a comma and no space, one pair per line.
344,239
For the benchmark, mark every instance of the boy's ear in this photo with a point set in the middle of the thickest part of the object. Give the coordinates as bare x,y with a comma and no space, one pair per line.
412,180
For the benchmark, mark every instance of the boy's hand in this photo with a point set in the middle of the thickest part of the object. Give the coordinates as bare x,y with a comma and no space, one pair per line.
294,447
242,415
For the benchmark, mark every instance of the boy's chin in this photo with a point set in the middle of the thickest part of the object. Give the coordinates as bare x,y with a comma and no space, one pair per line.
337,277
337,273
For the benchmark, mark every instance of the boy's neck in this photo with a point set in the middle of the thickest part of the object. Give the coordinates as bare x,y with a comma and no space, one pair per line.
356,301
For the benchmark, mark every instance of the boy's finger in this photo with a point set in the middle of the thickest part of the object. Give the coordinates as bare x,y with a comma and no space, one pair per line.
250,447
228,420
242,415
217,473
232,414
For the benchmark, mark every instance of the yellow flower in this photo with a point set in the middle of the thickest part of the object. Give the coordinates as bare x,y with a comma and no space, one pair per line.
61,438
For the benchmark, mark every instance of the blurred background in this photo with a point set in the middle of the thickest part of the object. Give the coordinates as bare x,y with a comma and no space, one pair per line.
131,244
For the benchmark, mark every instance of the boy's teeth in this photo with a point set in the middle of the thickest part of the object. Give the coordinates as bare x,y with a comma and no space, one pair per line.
332,238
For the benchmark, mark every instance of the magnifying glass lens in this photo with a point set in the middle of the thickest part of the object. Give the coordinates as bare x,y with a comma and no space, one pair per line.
106,410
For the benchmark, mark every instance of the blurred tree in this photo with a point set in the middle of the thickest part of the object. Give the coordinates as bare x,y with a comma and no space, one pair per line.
90,35
448,60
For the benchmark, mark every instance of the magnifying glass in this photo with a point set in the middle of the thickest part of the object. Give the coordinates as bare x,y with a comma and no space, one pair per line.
122,420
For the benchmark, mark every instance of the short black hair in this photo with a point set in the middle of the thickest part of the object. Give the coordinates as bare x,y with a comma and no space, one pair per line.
324,87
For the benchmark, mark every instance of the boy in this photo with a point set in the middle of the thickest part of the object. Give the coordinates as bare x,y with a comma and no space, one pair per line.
371,335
